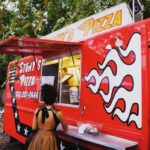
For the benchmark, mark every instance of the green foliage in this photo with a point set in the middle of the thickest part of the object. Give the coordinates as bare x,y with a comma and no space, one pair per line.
146,12
34,18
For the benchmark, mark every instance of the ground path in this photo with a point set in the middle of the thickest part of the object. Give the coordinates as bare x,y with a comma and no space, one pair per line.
5,143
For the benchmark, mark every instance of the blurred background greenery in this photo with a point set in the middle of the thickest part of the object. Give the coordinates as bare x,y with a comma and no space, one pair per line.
35,18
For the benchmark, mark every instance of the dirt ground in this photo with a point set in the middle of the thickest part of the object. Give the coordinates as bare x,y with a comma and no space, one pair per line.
6,142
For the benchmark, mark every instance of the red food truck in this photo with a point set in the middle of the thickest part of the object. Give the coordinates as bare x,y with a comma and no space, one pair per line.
103,86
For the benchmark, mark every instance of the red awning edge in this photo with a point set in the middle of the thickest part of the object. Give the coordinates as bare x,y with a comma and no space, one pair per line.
23,45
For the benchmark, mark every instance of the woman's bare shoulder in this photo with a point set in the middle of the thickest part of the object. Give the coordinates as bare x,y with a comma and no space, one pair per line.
36,112
59,113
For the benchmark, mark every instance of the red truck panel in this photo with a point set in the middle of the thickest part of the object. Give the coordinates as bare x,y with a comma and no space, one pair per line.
114,93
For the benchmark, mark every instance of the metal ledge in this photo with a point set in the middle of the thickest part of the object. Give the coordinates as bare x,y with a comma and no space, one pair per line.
101,139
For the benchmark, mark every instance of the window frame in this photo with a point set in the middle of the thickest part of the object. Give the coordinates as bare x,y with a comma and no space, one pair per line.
57,59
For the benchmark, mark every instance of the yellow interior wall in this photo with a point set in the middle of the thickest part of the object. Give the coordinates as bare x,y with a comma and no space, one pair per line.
72,68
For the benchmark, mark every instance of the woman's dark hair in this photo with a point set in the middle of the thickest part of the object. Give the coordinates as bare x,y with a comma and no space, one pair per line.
48,94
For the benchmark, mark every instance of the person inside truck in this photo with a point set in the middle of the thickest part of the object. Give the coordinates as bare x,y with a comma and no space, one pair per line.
65,77
70,91
46,120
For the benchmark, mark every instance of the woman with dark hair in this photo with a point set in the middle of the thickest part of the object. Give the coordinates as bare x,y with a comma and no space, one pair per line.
46,120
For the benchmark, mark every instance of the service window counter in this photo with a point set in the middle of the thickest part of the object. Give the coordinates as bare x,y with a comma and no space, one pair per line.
75,140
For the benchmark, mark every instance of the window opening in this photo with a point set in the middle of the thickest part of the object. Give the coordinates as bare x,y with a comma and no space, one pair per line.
63,72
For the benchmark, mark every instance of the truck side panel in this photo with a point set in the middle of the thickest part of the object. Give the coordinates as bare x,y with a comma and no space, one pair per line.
114,90
22,96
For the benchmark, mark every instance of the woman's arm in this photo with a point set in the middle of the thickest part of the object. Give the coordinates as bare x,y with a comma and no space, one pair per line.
34,122
62,120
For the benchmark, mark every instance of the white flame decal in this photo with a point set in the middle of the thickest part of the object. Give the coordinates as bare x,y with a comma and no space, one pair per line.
133,70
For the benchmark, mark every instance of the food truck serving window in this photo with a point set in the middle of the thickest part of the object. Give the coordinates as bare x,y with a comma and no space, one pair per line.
63,72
